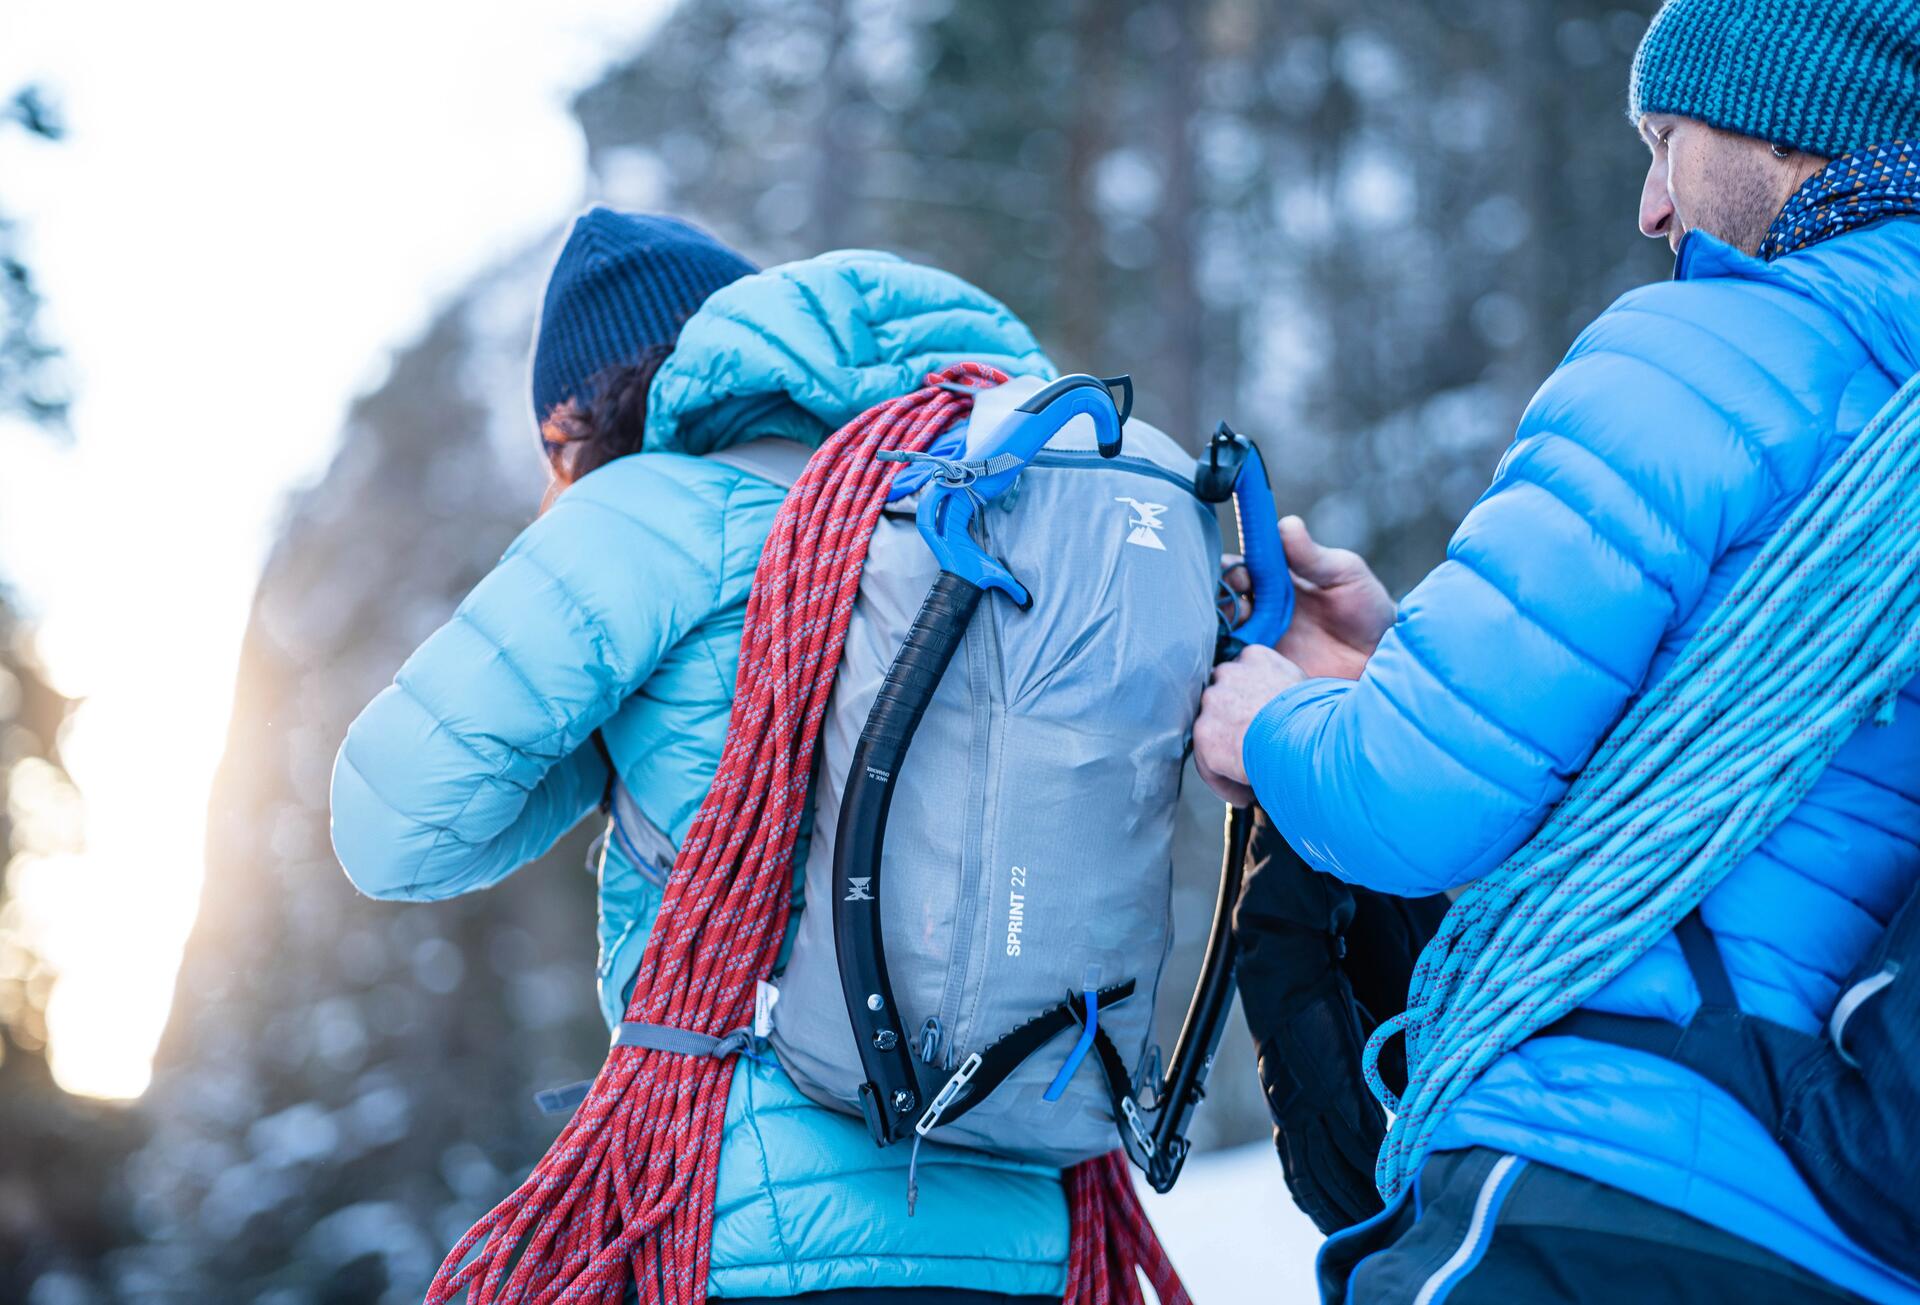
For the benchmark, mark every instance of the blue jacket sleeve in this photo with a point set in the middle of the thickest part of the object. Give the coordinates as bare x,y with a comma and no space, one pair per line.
1510,662
472,762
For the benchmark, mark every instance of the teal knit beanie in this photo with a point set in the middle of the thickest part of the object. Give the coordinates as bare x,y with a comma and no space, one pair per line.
1825,76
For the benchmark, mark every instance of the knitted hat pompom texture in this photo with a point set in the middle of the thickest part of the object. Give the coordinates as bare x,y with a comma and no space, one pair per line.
1825,76
623,282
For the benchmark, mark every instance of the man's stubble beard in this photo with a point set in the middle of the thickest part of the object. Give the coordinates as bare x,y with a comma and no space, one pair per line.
1739,200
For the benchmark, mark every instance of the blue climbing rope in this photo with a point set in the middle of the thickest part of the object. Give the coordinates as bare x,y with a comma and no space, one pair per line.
1821,633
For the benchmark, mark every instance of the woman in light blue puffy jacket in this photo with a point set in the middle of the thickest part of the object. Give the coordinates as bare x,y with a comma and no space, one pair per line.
618,614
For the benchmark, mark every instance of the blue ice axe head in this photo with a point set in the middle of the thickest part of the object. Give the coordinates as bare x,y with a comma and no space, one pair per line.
959,488
1232,467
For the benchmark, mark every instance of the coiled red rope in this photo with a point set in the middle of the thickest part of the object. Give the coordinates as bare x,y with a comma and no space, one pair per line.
623,1200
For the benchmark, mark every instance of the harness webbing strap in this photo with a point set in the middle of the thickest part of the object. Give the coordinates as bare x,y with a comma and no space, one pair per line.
1753,1059
1649,1033
685,1042
1705,962
652,1037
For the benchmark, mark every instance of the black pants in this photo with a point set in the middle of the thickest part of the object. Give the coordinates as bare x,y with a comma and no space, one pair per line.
1545,1235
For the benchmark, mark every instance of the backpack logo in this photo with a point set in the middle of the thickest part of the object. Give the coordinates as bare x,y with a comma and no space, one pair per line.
1146,525
858,888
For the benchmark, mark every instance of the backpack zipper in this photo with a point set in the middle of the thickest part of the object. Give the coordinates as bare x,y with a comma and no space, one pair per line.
1125,462
985,675
987,684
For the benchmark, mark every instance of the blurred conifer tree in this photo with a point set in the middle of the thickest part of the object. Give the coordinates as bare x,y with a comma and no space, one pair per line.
59,1213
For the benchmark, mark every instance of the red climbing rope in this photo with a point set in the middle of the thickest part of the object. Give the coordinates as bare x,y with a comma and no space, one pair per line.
624,1197
1111,1238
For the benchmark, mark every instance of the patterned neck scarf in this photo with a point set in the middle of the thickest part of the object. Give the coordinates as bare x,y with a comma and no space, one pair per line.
1852,191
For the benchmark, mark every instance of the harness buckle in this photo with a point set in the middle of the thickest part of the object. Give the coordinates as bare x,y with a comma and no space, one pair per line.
948,1091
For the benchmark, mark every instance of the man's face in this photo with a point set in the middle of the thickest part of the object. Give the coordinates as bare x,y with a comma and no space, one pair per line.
1705,179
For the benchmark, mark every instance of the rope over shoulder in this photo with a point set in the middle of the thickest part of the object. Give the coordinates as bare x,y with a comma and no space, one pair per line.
623,1200
1819,635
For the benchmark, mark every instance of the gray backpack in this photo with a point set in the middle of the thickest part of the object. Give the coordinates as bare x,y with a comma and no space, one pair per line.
1029,845
1027,858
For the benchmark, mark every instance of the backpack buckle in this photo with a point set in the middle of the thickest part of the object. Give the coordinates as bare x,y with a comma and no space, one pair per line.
948,1091
1131,1113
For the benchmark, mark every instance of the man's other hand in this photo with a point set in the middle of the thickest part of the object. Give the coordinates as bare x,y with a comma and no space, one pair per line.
1240,688
1340,609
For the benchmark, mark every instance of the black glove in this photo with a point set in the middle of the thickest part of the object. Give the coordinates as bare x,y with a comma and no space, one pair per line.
1384,940
1297,985
1326,1126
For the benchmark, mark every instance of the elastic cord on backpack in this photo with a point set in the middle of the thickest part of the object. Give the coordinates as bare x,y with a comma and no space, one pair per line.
1090,988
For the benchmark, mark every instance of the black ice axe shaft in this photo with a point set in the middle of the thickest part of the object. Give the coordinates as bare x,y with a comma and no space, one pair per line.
1230,468
890,1097
1180,1092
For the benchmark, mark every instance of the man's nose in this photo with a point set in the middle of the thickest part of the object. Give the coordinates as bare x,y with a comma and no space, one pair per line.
1656,204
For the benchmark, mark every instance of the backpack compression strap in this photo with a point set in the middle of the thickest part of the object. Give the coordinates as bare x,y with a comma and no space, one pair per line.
983,1071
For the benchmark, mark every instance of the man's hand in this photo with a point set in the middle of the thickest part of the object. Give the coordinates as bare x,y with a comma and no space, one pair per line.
1340,609
1240,688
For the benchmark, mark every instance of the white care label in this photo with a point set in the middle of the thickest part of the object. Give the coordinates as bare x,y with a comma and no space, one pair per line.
765,998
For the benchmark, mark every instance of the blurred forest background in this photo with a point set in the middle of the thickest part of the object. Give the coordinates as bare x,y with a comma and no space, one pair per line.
1362,233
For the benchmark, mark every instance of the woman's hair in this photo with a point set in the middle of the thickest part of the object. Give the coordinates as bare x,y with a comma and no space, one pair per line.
610,423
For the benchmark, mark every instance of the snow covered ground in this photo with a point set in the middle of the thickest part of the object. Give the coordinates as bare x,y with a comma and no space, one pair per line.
1234,1233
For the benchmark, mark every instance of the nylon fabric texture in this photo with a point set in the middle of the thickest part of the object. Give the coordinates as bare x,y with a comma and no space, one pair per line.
1819,635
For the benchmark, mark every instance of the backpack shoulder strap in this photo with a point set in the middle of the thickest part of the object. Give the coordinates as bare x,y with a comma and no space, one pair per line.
1704,962
772,458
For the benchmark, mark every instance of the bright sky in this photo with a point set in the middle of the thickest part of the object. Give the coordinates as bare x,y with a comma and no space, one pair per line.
254,205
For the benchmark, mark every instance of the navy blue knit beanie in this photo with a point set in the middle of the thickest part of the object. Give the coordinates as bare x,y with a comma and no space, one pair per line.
624,281
1825,76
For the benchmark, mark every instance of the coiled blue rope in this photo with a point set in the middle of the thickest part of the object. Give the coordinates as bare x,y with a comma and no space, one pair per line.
1821,632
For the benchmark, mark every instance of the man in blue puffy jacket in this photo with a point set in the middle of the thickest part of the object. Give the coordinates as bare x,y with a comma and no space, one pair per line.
1413,750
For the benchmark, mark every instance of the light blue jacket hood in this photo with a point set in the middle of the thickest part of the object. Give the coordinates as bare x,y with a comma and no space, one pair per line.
620,610
801,349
